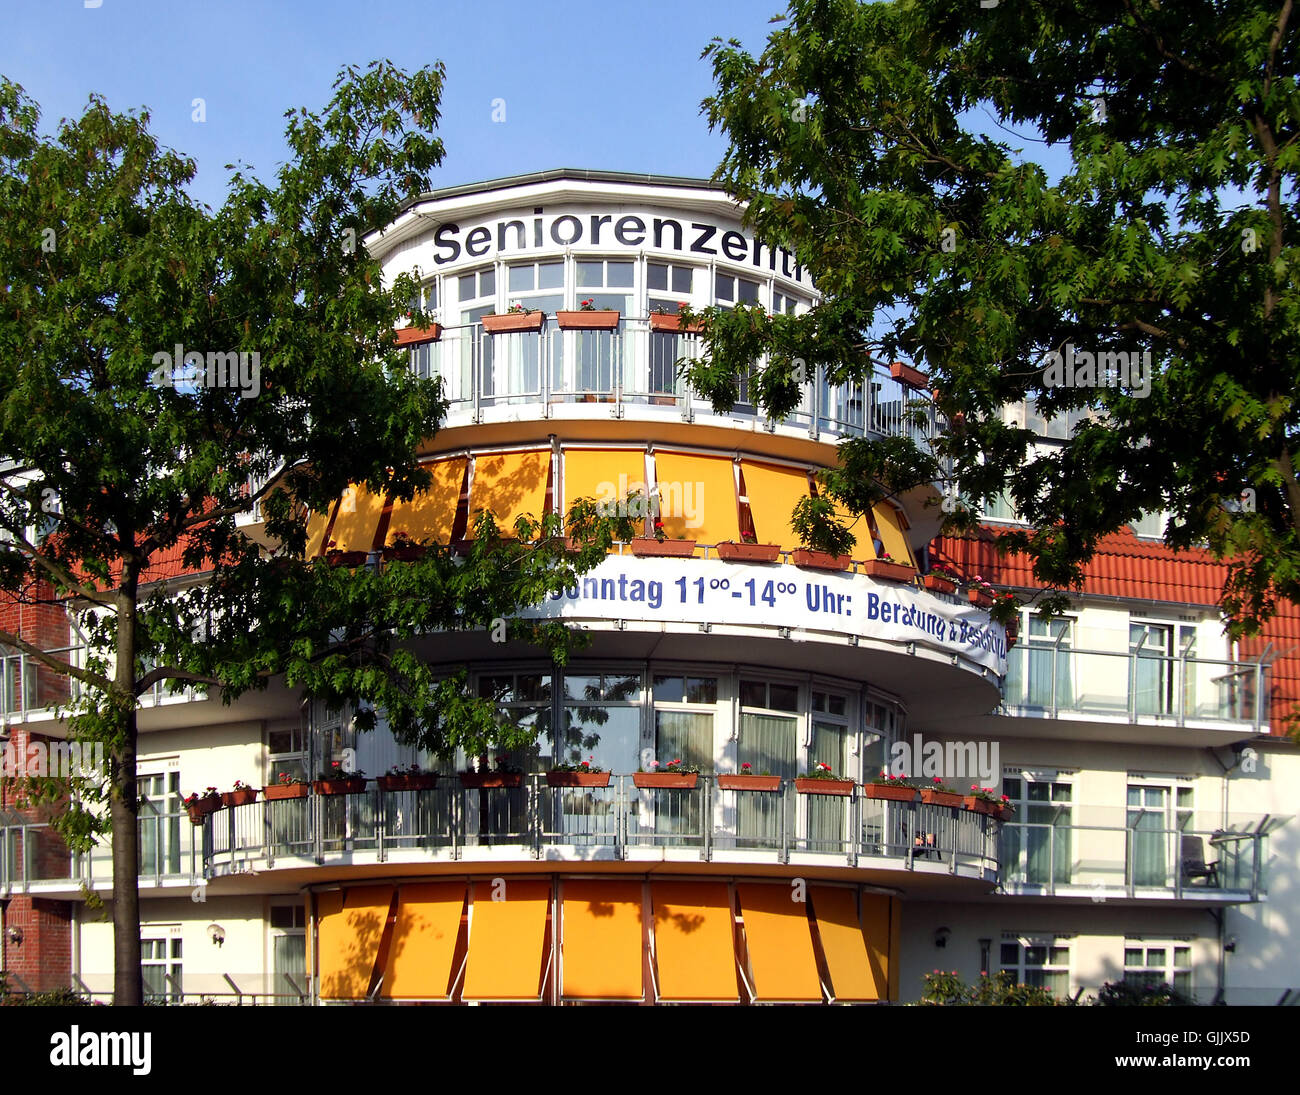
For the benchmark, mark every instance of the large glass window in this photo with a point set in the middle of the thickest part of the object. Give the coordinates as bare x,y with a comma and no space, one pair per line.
830,745
160,968
1151,675
684,711
523,700
602,721
1158,813
476,294
1036,847
160,823
769,743
288,953
519,358
1038,671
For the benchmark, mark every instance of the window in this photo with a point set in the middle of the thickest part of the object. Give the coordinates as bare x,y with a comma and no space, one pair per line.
1001,508
1059,427
1036,846
601,720
1151,679
684,712
1038,962
769,743
160,823
1158,813
733,290
1039,670
517,357
286,753
523,700
1150,525
160,968
288,952
784,305
594,275
1150,965
663,277
425,298
830,745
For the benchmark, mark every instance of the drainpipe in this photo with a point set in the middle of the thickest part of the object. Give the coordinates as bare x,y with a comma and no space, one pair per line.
1221,915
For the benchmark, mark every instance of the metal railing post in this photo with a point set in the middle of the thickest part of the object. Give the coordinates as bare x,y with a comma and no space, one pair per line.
706,819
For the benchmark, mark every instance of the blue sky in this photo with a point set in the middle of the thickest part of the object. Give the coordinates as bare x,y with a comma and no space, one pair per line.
586,84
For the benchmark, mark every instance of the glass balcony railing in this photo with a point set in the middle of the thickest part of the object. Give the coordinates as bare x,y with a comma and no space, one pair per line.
1054,678
635,366
616,822
1136,853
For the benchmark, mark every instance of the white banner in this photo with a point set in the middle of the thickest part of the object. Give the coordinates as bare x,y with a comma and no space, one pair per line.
713,591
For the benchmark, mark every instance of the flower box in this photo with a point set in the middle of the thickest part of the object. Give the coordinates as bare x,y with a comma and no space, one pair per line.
820,560
892,792
482,780
201,809
748,553
595,320
408,336
281,791
409,781
1002,812
979,598
346,558
404,553
678,780
578,779
890,572
507,322
241,797
675,549
663,322
741,782
809,786
939,584
913,378
352,786
980,805
933,797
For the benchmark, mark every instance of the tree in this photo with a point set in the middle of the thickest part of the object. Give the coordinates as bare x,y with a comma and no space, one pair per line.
1149,290
155,358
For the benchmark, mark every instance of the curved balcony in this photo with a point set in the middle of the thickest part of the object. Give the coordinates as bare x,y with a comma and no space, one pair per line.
620,824
631,372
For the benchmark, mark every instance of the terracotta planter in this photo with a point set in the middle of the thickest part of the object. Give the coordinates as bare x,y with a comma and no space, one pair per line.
741,782
414,781
408,336
239,798
1002,813
820,560
346,558
201,809
913,378
940,798
281,791
981,600
599,320
748,553
939,584
979,805
890,572
338,786
578,779
513,321
674,549
665,779
673,323
841,787
408,553
480,780
891,792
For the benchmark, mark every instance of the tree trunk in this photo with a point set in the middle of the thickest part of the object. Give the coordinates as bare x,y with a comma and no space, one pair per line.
128,984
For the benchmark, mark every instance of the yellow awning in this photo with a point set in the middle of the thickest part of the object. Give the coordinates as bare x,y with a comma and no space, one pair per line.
430,514
317,523
506,941
695,956
780,943
697,497
419,965
511,485
603,474
603,941
357,520
773,492
889,522
349,932
855,973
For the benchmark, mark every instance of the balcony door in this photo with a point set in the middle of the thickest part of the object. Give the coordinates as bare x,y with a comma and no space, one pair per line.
1036,847
769,743
1151,650
1038,673
160,823
1157,815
